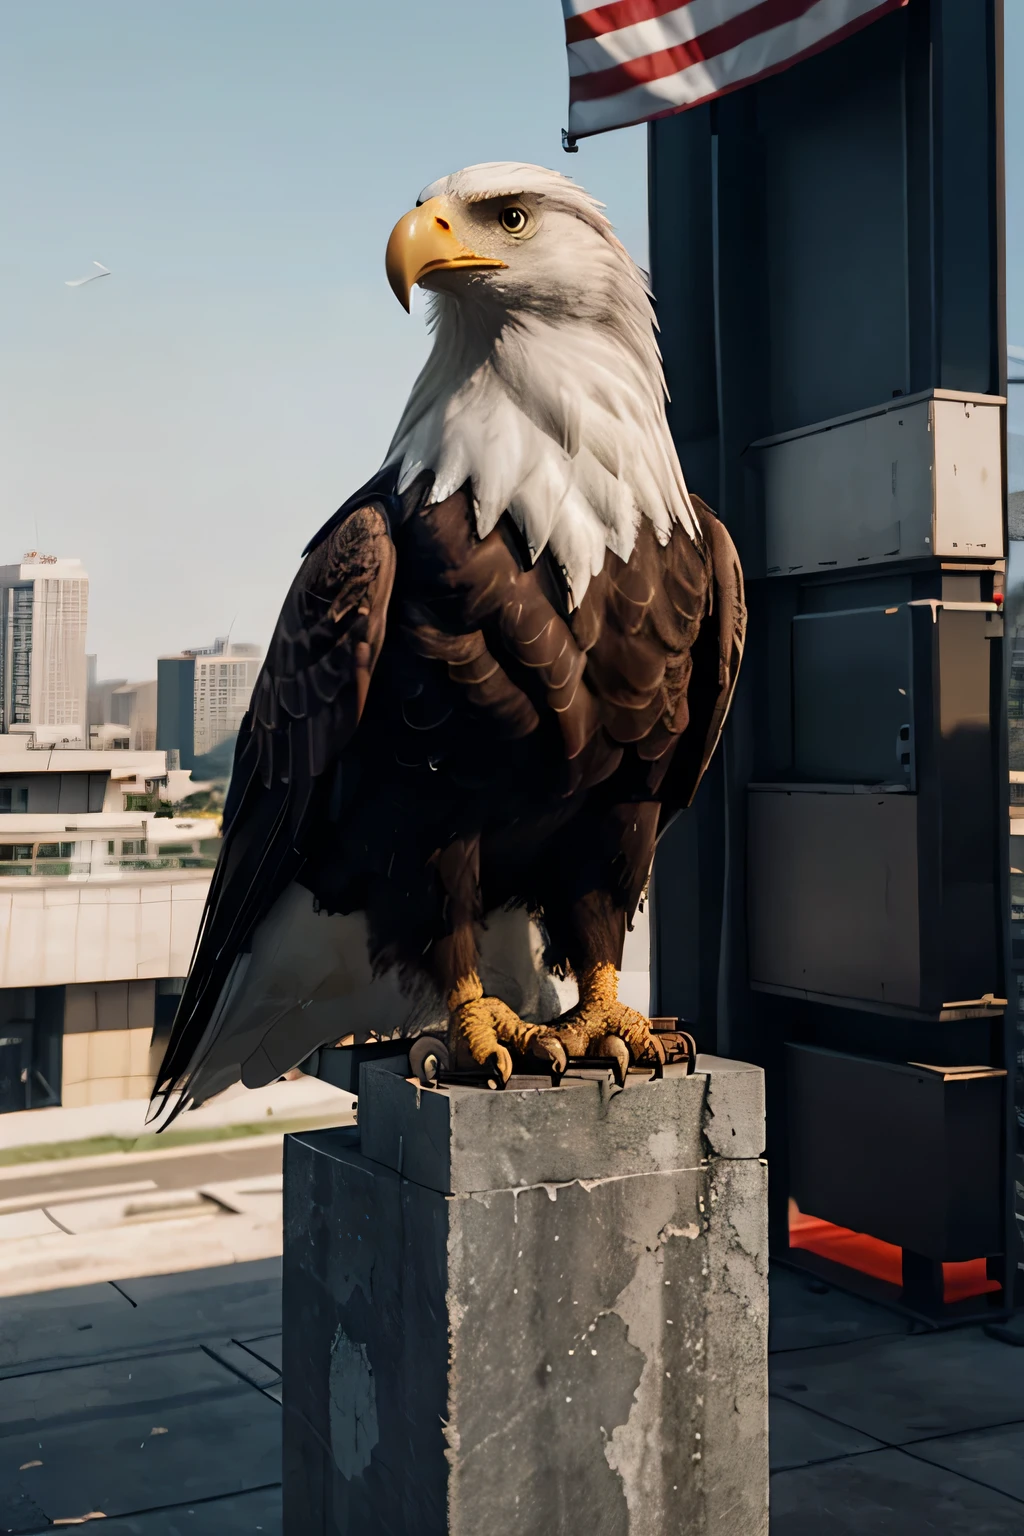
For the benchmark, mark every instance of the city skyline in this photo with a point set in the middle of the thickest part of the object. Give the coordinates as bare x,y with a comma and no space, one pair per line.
52,693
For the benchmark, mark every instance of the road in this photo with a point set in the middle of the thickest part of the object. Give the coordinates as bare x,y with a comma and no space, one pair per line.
177,1168
126,1215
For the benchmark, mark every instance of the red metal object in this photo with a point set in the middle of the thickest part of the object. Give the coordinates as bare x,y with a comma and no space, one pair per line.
883,1261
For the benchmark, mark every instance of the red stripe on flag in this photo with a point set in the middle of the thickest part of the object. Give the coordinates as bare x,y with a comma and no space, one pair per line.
778,68
669,61
612,18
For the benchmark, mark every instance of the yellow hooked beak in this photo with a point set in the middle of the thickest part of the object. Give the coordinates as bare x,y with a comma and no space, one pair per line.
423,242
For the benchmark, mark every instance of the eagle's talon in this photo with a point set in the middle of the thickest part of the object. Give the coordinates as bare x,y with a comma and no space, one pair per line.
499,1068
616,1050
601,1026
484,1027
548,1048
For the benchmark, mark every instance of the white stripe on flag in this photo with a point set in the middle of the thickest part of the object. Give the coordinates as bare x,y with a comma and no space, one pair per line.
645,37
710,77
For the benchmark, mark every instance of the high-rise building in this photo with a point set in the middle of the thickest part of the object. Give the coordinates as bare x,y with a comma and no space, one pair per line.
223,688
202,695
176,708
44,604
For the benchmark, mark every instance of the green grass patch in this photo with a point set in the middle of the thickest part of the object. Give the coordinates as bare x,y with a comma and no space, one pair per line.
153,1141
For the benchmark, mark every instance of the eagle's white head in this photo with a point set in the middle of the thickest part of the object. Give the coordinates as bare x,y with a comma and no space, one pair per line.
544,388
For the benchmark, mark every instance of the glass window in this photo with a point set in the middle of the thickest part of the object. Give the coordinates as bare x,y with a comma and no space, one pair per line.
1017,899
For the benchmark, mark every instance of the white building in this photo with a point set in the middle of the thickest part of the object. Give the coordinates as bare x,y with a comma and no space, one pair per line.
121,714
223,688
44,604
101,893
133,706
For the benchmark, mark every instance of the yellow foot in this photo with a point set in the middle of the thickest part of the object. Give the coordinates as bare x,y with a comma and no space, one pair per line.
486,1027
600,1025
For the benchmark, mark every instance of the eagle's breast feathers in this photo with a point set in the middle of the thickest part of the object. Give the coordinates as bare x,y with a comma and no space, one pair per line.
482,643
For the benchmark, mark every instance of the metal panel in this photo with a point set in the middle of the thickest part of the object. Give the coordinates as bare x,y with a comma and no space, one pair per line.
855,208
968,479
853,697
832,894
959,807
908,480
905,1155
836,228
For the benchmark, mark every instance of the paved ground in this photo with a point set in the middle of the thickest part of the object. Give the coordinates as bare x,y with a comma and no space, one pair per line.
156,1402
127,1215
880,1431
180,1168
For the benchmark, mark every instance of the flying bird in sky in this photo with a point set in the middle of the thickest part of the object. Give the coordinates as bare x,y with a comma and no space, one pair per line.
90,277
501,670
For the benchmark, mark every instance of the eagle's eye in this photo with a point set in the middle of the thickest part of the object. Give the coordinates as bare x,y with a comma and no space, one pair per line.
513,219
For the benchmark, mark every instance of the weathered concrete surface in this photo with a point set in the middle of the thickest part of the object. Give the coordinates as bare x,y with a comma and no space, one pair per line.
733,1116
577,1347
459,1140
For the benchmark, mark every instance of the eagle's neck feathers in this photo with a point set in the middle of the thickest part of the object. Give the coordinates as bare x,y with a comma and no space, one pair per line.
559,420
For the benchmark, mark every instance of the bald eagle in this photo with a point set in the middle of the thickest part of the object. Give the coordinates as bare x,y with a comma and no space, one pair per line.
501,669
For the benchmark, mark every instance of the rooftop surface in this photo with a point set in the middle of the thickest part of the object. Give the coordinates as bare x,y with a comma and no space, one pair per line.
156,1403
17,755
881,1429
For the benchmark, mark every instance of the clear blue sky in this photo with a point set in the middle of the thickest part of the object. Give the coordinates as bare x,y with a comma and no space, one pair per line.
186,423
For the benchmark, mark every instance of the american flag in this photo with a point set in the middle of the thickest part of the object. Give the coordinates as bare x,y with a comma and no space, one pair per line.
632,60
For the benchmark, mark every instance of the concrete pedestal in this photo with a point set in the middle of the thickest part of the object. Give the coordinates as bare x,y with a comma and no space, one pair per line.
541,1312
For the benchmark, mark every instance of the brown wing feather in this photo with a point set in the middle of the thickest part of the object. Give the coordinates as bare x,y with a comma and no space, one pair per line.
306,706
663,636
325,646
706,677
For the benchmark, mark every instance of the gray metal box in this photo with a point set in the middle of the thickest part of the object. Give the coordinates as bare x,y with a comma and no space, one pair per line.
853,696
915,477
833,895
904,1151
849,904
